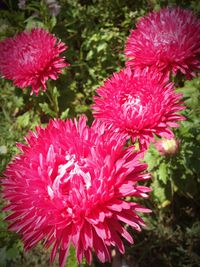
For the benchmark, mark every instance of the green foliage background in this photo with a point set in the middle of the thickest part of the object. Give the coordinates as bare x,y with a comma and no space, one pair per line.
95,32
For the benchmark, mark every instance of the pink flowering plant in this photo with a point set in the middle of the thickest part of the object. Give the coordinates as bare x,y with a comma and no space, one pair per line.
167,40
74,181
31,58
106,127
141,104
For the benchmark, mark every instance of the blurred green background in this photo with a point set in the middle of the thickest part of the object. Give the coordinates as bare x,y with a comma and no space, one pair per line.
95,32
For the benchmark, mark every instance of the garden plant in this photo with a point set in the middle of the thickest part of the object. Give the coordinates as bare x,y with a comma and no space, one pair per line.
100,133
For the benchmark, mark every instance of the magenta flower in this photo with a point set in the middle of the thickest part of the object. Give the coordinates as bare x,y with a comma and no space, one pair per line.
32,57
70,185
168,40
140,105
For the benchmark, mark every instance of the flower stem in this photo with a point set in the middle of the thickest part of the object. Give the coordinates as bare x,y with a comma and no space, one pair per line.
53,98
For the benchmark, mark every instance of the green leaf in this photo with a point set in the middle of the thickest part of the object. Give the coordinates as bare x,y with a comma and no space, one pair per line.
71,260
101,47
34,23
90,55
12,253
163,172
55,92
64,114
161,192
53,22
151,160
23,120
46,109
158,191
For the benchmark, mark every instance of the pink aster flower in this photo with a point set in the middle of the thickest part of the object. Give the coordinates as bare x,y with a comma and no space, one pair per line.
168,40
140,104
30,58
69,185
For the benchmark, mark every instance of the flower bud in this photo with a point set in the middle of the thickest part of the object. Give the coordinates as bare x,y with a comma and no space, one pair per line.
168,147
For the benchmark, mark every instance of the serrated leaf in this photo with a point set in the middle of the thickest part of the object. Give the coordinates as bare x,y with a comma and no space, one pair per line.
150,160
46,109
64,114
23,120
163,172
55,92
53,22
158,191
90,55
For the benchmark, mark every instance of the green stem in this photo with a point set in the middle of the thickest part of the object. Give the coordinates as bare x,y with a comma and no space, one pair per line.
53,98
171,177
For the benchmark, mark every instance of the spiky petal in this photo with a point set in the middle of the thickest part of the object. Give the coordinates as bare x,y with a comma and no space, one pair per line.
140,105
31,58
168,40
69,185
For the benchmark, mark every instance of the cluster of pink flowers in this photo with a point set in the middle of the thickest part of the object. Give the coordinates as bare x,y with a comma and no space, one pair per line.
70,183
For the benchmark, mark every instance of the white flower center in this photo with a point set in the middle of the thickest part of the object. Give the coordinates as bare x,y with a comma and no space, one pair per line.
132,104
66,172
